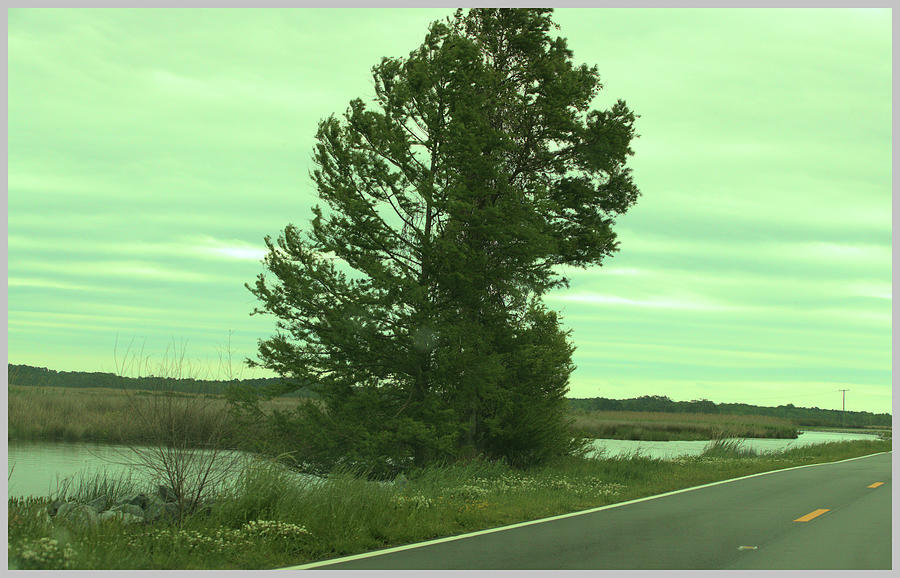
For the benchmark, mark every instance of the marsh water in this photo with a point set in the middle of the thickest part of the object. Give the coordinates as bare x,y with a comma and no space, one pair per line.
673,449
37,468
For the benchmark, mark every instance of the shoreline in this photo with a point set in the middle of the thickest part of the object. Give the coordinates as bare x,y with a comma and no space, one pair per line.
347,515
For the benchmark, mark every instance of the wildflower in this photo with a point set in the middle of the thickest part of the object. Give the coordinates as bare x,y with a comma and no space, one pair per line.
273,529
43,553
415,502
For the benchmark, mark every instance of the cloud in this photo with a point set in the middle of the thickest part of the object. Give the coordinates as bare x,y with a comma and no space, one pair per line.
840,252
198,247
737,356
752,249
662,302
878,290
55,284
119,269
230,249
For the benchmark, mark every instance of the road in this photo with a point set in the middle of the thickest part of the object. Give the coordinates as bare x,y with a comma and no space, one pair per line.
829,516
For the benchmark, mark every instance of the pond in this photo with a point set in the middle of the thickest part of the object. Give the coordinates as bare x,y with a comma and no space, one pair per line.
673,449
37,468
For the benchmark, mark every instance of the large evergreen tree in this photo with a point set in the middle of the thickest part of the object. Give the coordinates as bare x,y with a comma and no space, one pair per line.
413,303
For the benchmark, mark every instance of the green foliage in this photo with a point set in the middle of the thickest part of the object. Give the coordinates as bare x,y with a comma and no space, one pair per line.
413,302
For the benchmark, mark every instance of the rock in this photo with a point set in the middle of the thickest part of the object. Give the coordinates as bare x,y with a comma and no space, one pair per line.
54,507
65,508
121,517
80,514
100,503
140,500
167,494
129,509
158,510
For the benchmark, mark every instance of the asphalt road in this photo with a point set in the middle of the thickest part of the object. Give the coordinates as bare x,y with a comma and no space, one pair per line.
814,517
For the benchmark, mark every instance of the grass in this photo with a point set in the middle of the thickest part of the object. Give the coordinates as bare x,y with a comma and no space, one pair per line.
105,415
86,488
272,517
661,426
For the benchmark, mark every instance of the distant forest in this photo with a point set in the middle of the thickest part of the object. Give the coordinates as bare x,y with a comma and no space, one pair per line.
43,377
803,416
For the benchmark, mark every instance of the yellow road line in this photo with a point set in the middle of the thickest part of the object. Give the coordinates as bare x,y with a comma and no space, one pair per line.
876,484
811,515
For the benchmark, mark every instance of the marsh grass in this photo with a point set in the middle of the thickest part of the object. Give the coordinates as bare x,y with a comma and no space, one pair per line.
85,487
105,414
728,448
44,413
273,517
662,426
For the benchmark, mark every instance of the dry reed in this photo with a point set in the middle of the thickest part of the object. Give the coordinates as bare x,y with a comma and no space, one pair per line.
662,426
105,414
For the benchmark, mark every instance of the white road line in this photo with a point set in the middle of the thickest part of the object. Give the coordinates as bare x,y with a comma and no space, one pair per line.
559,517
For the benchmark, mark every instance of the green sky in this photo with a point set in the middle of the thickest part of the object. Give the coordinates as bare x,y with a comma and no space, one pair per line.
150,151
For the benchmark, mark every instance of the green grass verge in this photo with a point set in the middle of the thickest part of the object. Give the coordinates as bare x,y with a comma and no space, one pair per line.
273,518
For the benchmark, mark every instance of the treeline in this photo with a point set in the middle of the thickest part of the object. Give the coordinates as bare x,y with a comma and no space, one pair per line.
27,375
802,416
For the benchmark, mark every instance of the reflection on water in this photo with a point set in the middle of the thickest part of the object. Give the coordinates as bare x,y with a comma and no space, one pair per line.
674,449
35,468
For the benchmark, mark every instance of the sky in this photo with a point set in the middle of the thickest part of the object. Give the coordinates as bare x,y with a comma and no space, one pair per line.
152,150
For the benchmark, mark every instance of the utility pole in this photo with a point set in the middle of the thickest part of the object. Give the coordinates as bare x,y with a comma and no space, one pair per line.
843,405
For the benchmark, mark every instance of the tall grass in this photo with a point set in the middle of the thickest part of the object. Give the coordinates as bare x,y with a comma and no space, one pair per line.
105,415
86,487
662,426
45,413
728,448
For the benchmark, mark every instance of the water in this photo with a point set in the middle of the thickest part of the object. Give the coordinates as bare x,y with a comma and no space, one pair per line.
36,468
674,449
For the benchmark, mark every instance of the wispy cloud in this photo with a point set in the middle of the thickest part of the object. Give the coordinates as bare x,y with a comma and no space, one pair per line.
727,357
661,302
195,247
838,252
879,290
230,249
119,269
56,284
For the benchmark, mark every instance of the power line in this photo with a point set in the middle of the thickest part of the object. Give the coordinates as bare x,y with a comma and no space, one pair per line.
843,405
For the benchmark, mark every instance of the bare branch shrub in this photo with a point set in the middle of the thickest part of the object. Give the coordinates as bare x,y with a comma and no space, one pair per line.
186,447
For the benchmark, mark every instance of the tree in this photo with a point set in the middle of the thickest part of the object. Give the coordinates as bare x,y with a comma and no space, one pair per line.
413,304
